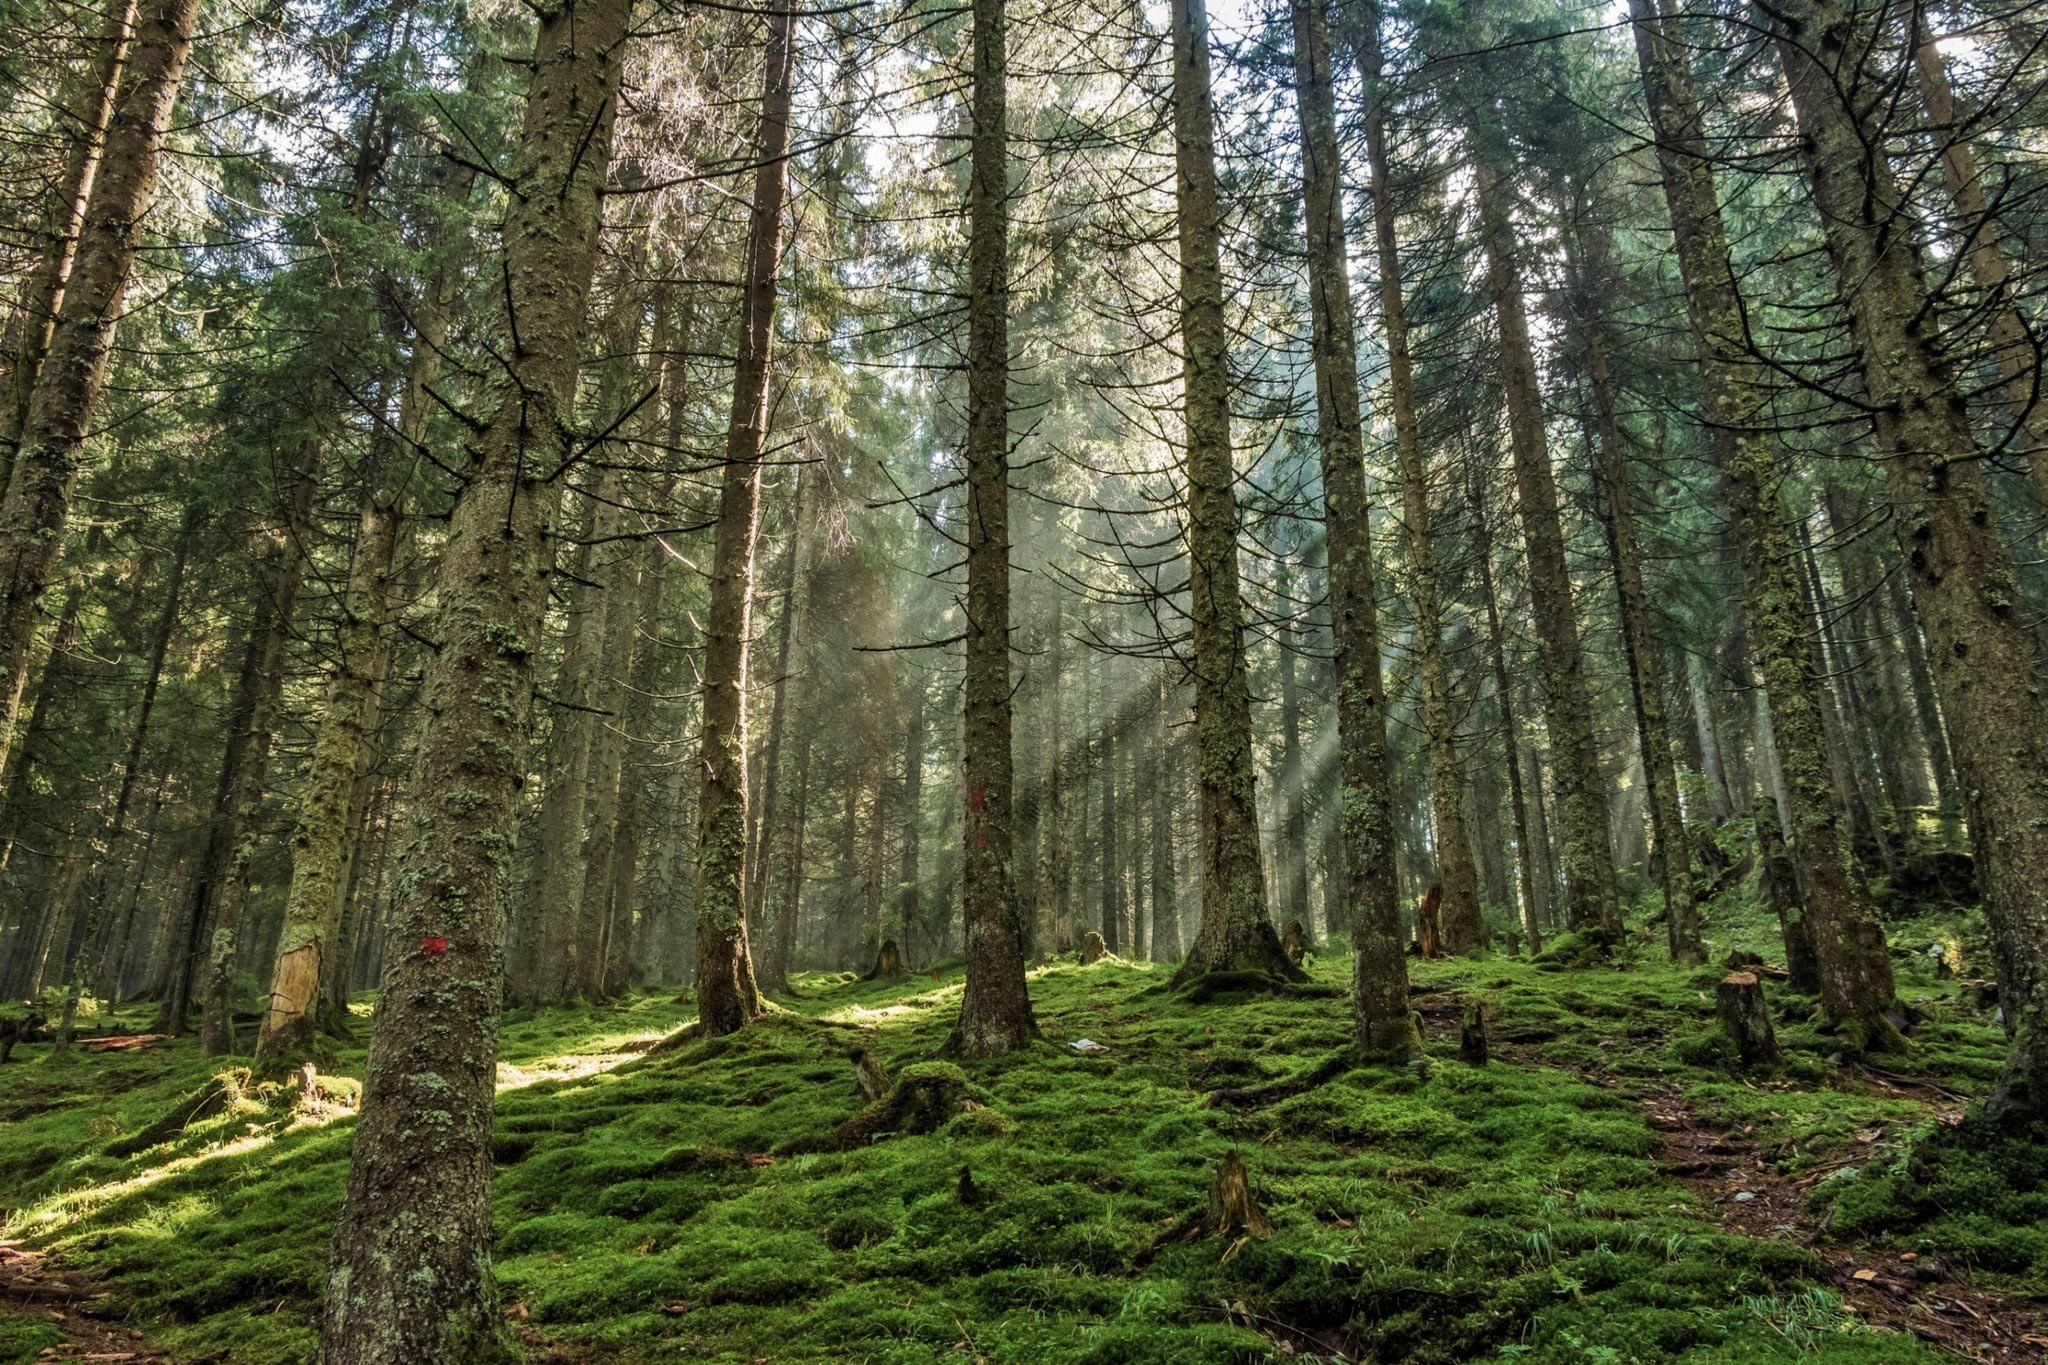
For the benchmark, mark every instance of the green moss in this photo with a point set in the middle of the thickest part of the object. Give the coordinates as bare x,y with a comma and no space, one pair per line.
651,1204
24,1339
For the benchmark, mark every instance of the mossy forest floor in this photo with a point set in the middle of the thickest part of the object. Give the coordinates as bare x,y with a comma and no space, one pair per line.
1606,1190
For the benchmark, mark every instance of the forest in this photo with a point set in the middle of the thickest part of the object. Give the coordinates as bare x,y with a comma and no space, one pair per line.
1023,680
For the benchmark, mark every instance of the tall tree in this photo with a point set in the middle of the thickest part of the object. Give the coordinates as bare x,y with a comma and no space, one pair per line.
1235,933
1592,901
727,997
1592,281
1841,922
1963,589
1382,1022
995,1009
409,1277
73,371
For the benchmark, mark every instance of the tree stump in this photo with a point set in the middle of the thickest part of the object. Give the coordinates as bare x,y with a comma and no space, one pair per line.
888,963
1295,942
18,1029
1429,934
868,1076
1233,1209
1739,1002
1093,949
1472,1035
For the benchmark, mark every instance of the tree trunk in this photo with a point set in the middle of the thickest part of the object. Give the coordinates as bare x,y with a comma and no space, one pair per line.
793,577
409,1277
1720,804
1646,681
334,791
1382,1025
1051,928
909,897
88,107
608,929
1165,884
1463,925
92,923
544,954
1291,851
1109,869
1739,1001
74,368
1855,967
1592,900
2014,351
727,998
1235,933
789,885
1530,837
995,1011
1962,583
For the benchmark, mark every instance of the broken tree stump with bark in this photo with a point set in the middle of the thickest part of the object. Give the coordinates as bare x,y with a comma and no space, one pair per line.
1428,932
1093,949
1295,943
868,1076
888,963
1472,1035
1233,1209
1739,1001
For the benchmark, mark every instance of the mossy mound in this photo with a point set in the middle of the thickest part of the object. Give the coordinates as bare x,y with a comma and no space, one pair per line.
923,1099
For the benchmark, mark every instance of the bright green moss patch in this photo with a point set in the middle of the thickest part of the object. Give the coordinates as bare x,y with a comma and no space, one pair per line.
23,1339
689,1199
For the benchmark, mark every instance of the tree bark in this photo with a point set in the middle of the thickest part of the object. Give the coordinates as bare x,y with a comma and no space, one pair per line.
1591,893
1050,925
1646,680
1382,1025
2013,349
1235,933
1855,968
1464,927
334,792
73,372
995,1010
409,1276
793,575
1529,866
1165,943
727,997
92,923
1962,583
909,894
544,959
88,106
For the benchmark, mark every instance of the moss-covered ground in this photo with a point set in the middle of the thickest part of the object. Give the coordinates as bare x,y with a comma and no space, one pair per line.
652,1204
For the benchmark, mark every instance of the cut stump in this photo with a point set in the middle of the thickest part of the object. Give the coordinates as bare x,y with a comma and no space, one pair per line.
1472,1036
1233,1209
1739,1001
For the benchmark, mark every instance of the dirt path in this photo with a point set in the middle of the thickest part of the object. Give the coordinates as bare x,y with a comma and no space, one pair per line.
1736,1181
1741,1188
71,1304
